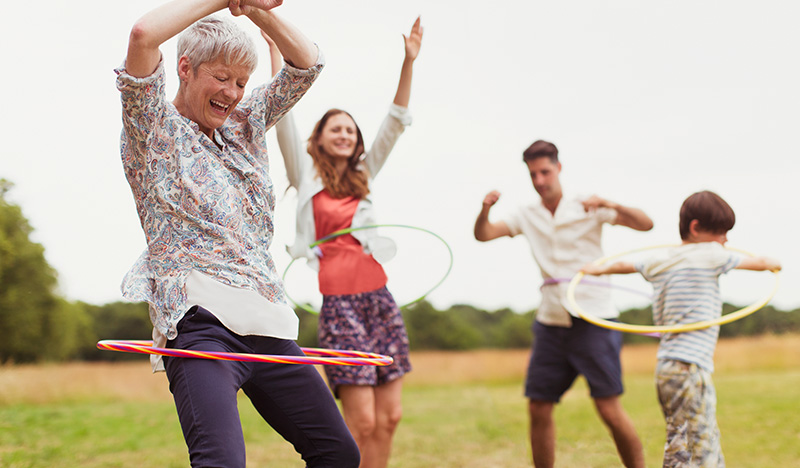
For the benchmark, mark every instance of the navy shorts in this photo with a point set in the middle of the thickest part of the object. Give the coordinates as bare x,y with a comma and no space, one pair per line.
560,354
370,322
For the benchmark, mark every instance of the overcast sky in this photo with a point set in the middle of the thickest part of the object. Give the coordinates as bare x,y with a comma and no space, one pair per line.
648,102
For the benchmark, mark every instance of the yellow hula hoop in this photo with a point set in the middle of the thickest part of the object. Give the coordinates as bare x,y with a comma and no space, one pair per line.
630,328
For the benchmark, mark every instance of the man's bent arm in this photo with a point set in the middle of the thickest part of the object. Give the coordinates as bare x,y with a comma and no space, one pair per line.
633,218
485,230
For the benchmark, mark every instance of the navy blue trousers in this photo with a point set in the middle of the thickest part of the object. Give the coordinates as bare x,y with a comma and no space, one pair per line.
293,399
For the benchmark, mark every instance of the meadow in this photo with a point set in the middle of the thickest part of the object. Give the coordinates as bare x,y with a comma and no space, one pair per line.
461,409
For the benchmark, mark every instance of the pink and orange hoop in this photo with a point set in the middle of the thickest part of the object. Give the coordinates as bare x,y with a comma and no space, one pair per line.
335,357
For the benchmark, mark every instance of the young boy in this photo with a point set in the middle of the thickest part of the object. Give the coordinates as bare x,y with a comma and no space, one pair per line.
687,291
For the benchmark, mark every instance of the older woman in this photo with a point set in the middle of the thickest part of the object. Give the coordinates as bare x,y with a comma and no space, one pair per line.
198,170
333,174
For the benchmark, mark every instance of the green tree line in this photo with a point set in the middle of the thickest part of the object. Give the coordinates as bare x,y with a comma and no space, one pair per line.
458,328
37,324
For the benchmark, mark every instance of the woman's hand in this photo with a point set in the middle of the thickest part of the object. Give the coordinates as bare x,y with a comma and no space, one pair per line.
244,7
413,40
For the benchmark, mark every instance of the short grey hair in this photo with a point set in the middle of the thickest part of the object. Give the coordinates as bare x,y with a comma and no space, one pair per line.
215,37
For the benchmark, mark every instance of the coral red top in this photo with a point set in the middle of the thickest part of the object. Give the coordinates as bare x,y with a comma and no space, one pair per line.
344,267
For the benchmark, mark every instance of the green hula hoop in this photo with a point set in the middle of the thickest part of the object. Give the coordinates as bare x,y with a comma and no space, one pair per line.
342,232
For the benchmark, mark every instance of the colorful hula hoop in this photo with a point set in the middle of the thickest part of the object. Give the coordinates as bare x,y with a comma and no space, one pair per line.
342,232
335,357
629,328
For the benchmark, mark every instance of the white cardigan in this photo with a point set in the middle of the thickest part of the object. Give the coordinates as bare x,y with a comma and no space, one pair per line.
303,177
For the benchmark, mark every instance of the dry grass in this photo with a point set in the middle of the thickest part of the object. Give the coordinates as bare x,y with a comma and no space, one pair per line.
733,355
134,381
38,384
766,352
464,409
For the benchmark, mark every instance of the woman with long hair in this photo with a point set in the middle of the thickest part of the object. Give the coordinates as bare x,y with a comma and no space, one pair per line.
358,312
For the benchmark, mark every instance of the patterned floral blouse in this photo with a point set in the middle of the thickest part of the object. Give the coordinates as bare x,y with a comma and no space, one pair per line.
202,206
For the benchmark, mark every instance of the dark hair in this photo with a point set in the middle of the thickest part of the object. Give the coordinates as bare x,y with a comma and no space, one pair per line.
541,149
712,213
354,182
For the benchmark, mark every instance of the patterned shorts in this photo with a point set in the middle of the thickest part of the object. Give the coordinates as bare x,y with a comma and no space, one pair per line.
370,322
689,402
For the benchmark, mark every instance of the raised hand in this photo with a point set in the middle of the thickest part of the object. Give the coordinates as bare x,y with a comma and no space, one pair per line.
413,40
244,7
491,198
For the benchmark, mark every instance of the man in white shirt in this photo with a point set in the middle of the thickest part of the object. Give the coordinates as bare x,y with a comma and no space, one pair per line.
564,235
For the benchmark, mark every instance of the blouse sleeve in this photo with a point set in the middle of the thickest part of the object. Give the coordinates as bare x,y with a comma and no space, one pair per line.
143,106
291,147
267,105
392,127
287,87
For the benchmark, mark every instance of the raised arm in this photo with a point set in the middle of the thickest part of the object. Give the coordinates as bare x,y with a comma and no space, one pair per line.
160,25
617,268
292,148
296,48
485,230
759,264
275,59
399,117
413,43
168,20
633,218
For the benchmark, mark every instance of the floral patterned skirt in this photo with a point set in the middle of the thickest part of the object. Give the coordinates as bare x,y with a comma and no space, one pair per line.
370,322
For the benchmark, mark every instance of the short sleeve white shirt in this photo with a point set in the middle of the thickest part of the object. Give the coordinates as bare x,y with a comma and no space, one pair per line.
561,244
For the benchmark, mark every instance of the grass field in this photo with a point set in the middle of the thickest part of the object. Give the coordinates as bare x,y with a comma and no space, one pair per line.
461,410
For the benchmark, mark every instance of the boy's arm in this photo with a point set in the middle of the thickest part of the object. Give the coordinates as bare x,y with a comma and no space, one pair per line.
618,268
759,264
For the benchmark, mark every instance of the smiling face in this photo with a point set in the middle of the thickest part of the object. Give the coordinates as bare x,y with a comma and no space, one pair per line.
209,94
339,137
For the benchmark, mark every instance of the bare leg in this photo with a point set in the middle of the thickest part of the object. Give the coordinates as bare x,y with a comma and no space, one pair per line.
388,411
619,423
543,433
372,414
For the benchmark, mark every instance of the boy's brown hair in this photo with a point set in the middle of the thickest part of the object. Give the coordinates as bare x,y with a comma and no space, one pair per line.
712,213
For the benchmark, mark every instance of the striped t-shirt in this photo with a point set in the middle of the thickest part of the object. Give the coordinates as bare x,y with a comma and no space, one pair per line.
686,290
